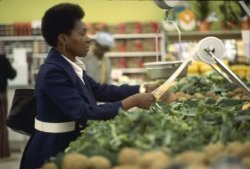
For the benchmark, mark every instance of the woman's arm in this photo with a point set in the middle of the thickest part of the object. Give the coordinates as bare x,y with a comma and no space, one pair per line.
65,95
111,93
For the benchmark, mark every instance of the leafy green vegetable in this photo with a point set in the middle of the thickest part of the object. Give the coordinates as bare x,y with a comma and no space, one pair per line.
174,128
211,82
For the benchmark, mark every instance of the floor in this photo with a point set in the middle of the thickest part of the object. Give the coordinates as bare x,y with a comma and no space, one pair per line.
13,162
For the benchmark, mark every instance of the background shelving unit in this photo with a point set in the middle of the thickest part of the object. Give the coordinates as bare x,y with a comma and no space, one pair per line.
131,54
195,35
37,56
37,49
116,36
20,38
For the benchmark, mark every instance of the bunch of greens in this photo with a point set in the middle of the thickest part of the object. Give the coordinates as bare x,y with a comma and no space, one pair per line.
173,128
208,83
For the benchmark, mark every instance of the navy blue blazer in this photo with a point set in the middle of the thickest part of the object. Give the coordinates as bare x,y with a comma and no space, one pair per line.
62,97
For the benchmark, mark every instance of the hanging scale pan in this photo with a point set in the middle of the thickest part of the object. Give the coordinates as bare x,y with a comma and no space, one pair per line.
212,43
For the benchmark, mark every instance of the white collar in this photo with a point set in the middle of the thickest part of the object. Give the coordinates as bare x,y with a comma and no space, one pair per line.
77,64
78,67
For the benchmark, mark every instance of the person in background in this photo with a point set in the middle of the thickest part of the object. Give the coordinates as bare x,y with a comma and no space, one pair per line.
66,96
6,72
97,65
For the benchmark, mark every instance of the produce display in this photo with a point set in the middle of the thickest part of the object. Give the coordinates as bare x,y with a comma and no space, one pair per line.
207,113
210,85
196,123
214,156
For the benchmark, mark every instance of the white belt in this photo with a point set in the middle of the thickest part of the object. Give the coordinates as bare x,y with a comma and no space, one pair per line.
54,127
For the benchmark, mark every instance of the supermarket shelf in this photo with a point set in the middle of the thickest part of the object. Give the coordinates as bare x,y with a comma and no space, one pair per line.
227,34
130,70
35,56
110,54
133,36
132,54
136,36
20,38
116,36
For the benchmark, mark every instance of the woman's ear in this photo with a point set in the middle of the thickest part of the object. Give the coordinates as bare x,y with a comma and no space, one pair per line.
61,38
62,41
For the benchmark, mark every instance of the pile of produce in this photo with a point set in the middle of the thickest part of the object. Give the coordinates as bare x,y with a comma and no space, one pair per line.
172,128
210,115
213,156
210,85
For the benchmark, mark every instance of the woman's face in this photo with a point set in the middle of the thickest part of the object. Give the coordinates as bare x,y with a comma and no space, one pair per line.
77,43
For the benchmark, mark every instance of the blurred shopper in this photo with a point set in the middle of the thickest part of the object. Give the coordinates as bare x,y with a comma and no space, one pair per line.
66,96
6,72
97,65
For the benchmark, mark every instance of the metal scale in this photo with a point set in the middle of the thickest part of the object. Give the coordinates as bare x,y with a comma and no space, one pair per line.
209,50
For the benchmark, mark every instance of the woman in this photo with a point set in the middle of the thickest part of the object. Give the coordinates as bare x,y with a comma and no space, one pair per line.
66,96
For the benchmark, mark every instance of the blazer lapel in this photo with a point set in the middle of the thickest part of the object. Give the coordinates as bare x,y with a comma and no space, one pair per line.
87,84
54,57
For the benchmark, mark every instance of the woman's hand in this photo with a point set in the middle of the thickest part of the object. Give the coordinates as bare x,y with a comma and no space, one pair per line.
144,100
149,87
168,97
140,100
